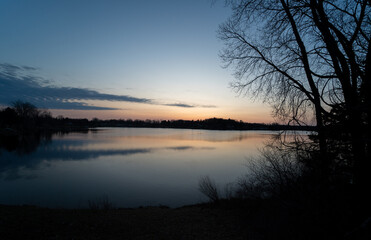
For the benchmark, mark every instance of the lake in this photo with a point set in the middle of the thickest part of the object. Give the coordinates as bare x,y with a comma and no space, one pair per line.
130,167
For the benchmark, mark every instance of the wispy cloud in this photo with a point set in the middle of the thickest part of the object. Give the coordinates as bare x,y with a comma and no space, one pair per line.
16,83
206,106
20,83
185,105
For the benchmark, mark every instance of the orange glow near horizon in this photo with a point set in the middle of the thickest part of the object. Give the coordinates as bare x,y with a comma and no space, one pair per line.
262,116
248,112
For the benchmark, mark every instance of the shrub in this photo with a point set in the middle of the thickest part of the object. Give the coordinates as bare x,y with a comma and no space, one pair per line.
274,173
102,203
208,188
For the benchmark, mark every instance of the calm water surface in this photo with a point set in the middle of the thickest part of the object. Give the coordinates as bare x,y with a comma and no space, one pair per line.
130,166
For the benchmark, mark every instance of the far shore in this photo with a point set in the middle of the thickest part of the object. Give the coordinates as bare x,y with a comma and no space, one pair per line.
13,124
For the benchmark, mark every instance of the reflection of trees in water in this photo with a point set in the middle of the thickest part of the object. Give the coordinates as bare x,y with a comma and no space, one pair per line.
14,151
22,156
22,151
24,144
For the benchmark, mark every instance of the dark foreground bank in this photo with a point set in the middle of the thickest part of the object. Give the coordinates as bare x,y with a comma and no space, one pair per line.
225,220
194,222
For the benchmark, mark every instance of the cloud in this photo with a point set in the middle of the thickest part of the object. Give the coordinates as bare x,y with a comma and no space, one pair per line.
185,105
9,67
16,83
20,83
207,106
29,68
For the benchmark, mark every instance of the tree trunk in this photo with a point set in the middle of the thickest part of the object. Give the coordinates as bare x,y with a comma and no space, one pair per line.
324,163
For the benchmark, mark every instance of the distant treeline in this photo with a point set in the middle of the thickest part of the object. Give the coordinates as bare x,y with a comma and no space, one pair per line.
24,117
211,124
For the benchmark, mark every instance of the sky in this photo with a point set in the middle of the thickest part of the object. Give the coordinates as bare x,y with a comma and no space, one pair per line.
120,59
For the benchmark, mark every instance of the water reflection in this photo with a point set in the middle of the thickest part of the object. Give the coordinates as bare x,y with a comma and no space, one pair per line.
131,166
23,144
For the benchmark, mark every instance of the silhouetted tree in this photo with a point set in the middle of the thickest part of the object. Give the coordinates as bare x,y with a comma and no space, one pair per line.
8,117
307,58
25,109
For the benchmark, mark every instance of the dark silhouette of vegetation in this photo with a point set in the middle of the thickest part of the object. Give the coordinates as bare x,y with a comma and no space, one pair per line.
24,117
210,124
311,60
102,203
209,188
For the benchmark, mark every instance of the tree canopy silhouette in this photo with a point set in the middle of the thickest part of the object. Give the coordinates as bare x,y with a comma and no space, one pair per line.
307,58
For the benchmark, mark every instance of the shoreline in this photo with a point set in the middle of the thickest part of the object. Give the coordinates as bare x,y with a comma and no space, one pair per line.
201,221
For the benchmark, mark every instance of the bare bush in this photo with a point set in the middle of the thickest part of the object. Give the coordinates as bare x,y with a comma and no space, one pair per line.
208,188
102,203
270,175
230,190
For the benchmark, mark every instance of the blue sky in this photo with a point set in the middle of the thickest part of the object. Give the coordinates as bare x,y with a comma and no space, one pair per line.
138,59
